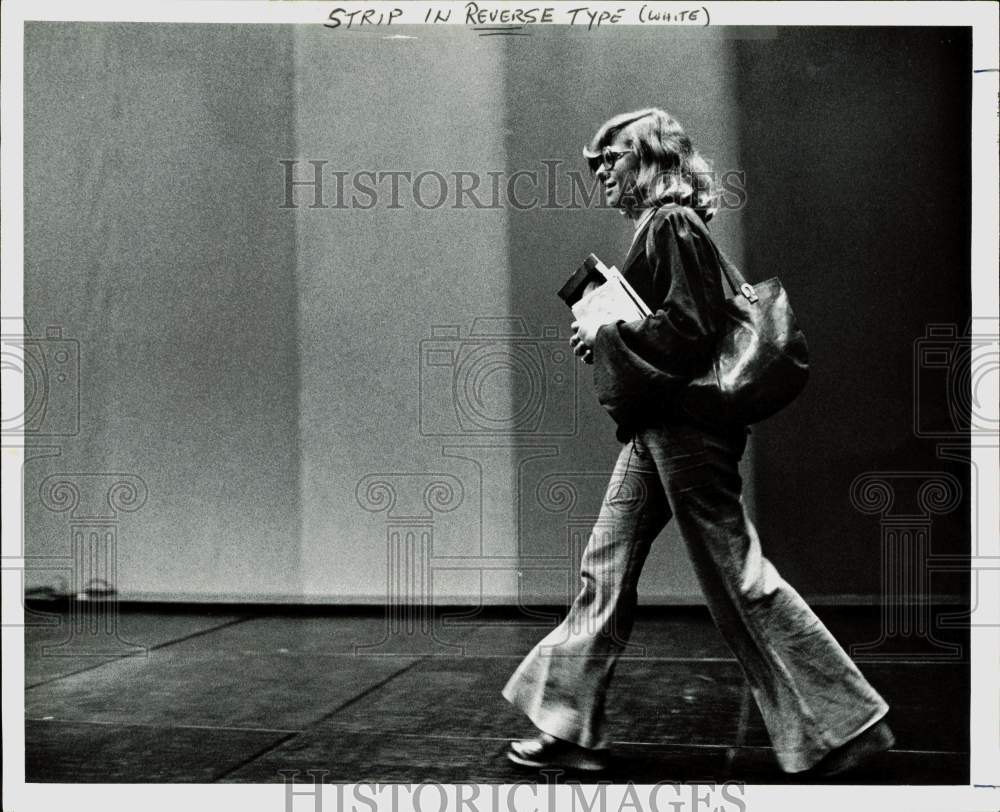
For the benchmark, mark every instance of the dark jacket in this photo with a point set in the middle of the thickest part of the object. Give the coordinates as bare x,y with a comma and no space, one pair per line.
640,367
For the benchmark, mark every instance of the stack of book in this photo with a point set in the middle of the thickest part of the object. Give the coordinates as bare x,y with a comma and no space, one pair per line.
597,291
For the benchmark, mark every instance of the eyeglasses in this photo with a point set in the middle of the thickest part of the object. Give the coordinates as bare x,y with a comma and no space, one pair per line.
608,157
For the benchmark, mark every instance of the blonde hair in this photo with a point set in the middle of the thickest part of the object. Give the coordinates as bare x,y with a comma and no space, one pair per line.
669,167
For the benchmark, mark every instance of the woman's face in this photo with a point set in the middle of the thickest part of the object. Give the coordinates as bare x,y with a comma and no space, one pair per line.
618,178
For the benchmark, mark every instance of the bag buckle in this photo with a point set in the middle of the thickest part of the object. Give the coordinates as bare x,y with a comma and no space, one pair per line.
747,290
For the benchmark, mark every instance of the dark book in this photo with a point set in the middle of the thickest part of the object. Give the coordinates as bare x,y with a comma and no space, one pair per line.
597,290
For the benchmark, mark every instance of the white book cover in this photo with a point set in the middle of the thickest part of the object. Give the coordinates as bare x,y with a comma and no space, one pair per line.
613,301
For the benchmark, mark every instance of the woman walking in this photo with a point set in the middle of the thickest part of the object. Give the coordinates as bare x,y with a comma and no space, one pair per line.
820,712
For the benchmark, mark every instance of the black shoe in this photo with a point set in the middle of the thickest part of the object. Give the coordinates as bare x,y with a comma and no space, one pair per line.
873,740
548,751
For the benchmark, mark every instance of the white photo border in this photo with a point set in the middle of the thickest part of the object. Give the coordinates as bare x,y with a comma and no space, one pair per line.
981,794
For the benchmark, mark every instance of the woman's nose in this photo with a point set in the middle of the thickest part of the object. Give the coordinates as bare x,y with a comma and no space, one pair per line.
601,174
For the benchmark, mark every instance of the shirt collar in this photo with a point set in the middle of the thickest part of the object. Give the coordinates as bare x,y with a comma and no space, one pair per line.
641,222
646,214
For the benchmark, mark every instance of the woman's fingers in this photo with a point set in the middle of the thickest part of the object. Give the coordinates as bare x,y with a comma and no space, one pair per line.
580,349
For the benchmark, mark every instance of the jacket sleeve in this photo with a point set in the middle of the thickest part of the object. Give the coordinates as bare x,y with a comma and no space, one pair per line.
641,366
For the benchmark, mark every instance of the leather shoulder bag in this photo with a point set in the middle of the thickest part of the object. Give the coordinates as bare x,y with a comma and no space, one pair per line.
761,361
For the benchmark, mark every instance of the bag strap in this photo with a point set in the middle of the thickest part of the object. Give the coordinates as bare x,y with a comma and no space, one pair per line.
737,282
729,271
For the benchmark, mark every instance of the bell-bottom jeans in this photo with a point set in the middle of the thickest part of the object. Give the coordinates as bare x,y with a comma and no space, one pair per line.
810,694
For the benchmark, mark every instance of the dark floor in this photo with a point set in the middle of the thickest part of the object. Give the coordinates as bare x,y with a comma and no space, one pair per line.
202,694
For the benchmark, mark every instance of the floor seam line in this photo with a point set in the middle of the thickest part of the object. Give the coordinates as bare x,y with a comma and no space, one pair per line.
319,720
153,726
627,743
118,658
254,757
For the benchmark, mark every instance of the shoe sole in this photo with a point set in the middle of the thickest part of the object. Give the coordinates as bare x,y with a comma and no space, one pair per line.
884,741
527,762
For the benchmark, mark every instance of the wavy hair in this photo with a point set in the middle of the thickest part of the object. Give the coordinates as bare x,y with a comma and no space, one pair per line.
669,167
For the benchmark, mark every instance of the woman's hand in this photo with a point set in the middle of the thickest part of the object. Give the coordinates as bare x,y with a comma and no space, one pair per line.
582,340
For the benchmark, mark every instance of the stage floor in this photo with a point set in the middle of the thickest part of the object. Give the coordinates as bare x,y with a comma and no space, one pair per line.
236,694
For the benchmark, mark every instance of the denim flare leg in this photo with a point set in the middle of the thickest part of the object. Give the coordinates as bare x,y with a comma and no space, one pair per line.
811,695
